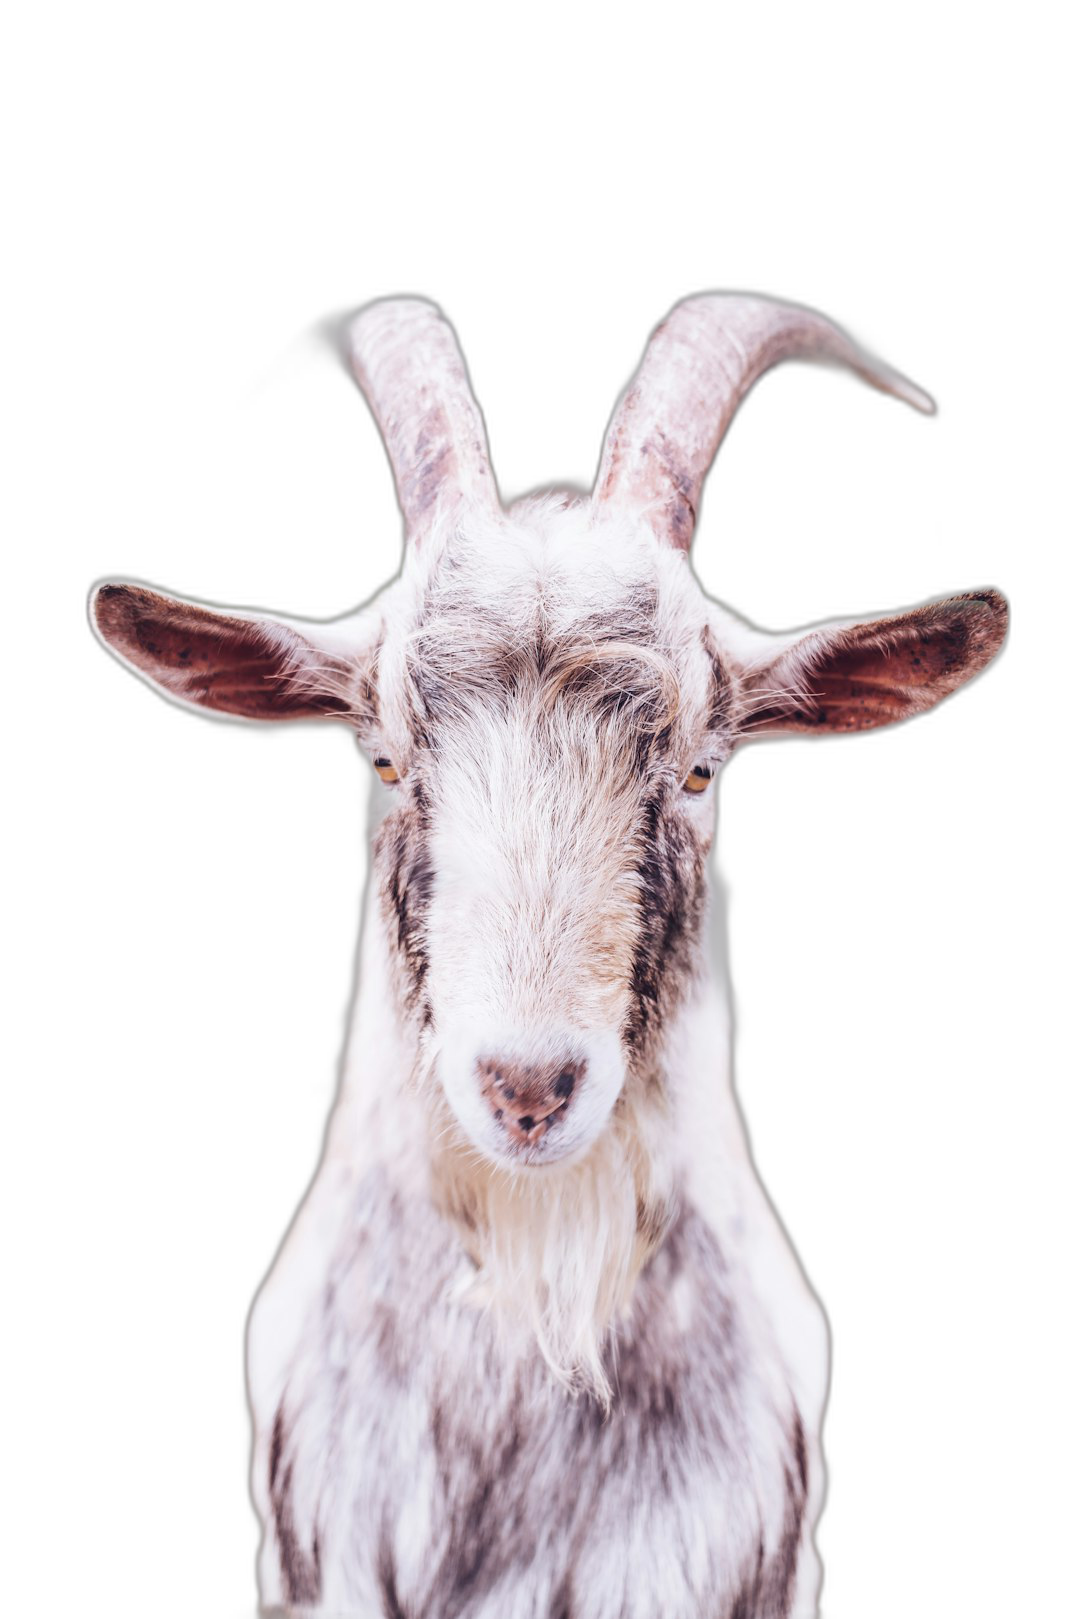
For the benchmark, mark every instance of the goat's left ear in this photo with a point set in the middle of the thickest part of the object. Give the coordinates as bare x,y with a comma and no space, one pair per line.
850,677
244,664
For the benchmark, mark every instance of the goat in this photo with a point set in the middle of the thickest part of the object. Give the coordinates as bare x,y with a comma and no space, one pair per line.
536,1345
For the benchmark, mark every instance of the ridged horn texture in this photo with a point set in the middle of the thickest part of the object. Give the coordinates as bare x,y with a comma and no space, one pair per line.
404,355
697,367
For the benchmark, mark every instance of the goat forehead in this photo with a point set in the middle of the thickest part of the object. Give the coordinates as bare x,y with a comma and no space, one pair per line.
520,604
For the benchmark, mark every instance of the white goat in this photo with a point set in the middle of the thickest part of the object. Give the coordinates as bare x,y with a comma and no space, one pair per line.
536,1346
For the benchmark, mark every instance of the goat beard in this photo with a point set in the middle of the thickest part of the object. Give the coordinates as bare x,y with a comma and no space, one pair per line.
559,1251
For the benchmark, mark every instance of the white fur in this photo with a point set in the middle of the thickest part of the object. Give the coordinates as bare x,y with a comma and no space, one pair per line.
580,1371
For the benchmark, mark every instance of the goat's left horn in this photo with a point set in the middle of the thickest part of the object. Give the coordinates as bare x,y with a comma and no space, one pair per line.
405,357
697,367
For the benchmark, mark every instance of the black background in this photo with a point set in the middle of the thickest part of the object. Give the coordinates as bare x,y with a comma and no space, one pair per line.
225,863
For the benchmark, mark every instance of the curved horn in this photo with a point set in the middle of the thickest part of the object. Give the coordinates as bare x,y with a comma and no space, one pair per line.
697,367
404,355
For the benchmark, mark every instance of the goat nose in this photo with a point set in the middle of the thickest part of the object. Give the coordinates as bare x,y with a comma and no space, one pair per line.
527,1099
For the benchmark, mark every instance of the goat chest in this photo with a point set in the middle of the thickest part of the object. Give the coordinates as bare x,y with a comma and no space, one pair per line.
424,1465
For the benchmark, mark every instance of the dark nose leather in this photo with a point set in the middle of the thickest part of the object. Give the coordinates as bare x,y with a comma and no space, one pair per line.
528,1099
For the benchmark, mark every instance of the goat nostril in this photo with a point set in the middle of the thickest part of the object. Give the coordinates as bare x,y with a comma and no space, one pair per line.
564,1085
527,1123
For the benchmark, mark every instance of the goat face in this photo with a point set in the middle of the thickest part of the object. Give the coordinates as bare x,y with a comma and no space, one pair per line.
551,707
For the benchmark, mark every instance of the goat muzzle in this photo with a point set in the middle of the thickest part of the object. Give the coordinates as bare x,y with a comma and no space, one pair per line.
528,1099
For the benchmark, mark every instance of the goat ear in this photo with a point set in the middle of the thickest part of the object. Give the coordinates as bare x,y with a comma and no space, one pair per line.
851,677
257,668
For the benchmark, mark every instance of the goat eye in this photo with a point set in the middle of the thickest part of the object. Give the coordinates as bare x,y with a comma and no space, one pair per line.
384,769
698,779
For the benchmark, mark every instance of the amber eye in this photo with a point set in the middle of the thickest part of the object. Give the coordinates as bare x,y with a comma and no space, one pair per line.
384,769
698,779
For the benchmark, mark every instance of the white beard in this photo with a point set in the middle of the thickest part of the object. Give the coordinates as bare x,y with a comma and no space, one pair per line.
559,1249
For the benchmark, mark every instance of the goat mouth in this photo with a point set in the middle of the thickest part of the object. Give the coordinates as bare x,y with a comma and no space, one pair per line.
526,1140
536,1157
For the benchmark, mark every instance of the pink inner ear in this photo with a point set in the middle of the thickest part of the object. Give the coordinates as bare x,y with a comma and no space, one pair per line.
873,674
236,666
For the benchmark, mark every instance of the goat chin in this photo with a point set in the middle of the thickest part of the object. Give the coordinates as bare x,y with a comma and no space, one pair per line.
558,1250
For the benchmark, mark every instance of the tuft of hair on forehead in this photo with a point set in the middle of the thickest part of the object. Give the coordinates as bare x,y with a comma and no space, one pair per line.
552,611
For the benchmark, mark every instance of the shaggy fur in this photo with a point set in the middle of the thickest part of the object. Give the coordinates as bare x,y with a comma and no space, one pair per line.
536,1347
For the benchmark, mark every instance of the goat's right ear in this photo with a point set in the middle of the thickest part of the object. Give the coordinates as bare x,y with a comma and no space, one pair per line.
258,668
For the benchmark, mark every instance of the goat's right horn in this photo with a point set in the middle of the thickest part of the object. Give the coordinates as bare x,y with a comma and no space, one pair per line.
404,355
698,365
